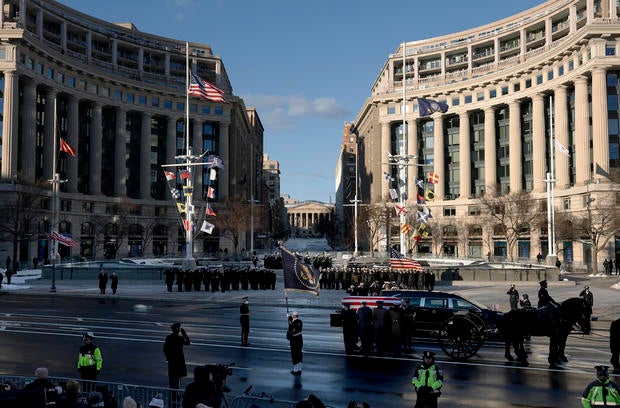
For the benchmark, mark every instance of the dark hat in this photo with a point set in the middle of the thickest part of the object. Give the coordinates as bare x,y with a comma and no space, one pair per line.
175,326
244,298
89,335
543,282
428,354
587,287
601,369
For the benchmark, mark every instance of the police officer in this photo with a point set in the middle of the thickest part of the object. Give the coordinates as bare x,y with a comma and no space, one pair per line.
89,360
601,392
427,380
244,319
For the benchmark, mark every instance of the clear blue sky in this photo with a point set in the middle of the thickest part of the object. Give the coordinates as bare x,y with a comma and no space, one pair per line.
306,66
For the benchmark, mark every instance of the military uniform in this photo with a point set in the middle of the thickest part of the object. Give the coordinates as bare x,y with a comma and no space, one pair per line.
244,319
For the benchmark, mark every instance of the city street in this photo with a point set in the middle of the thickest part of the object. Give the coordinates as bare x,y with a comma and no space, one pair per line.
46,330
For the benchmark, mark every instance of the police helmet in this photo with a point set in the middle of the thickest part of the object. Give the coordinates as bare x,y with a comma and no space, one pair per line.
428,354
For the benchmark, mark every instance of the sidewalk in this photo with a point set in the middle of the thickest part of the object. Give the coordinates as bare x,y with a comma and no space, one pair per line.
606,290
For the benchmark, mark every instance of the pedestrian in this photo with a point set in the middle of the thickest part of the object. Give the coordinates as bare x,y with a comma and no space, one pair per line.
103,281
244,319
587,296
606,267
601,392
427,380
525,301
114,282
544,299
1,278
254,260
296,341
8,263
614,343
173,351
8,271
95,399
539,257
90,361
513,294
169,273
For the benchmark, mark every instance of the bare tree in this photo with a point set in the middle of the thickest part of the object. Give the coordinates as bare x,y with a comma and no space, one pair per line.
515,214
234,219
373,222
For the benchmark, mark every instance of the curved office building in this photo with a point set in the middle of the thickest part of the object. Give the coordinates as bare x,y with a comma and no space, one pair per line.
549,76
117,97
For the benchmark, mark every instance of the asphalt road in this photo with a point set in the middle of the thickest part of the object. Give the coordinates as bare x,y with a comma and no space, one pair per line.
40,328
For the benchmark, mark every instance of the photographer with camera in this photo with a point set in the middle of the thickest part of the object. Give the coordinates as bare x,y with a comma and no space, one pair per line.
208,386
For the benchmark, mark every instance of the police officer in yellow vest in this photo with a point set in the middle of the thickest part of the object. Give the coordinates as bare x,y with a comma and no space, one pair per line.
601,392
89,359
427,380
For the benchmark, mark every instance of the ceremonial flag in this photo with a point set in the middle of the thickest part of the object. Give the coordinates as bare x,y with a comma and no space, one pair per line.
188,190
214,160
212,174
398,261
429,195
189,209
433,178
421,199
400,210
65,147
209,211
602,172
416,236
170,175
393,193
207,227
298,275
181,207
184,174
187,225
429,106
561,148
405,228
423,230
388,177
64,240
210,192
204,90
424,215
175,193
419,182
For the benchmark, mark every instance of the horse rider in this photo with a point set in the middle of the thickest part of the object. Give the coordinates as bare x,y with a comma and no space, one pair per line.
544,299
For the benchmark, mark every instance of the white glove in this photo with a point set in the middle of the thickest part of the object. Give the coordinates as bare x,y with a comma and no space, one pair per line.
201,405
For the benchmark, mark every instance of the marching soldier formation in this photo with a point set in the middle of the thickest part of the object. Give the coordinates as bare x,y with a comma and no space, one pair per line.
217,279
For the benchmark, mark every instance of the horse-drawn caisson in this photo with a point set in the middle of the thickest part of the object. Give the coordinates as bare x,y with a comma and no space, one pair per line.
462,325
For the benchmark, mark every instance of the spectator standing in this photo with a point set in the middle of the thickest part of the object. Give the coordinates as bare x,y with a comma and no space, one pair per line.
587,296
72,398
244,320
513,294
427,380
114,282
95,399
296,341
90,360
103,281
606,267
602,391
43,385
173,350
8,271
201,391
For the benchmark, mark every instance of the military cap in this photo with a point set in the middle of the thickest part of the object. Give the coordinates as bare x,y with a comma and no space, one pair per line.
543,282
175,326
244,298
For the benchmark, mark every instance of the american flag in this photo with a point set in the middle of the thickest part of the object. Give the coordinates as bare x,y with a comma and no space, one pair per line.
64,240
398,261
204,89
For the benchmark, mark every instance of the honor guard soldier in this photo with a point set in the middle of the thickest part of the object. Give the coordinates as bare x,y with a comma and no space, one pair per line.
244,319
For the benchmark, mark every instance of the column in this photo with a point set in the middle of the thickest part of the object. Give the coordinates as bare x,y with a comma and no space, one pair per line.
582,131
197,147
438,153
412,149
145,156
48,139
490,150
225,155
385,150
538,143
600,127
464,156
572,18
613,13
73,131
29,124
522,43
548,32
589,11
94,180
120,154
514,142
560,132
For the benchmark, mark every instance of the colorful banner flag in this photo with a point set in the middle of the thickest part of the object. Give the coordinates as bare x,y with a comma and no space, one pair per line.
419,183
184,174
65,147
405,228
207,227
212,174
429,195
188,191
214,161
209,211
393,193
170,175
421,200
400,210
186,225
181,207
561,148
175,193
298,275
388,177
433,178
210,192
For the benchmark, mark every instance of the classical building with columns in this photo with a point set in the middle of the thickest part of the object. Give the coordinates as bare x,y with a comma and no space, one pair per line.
552,71
119,99
303,217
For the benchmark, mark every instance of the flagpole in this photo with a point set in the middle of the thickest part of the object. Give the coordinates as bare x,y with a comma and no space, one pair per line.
550,186
55,181
402,170
189,236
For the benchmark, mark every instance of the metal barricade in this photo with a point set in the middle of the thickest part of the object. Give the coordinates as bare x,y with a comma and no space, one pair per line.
249,401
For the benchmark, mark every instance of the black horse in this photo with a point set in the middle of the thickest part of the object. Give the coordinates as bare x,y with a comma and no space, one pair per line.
551,321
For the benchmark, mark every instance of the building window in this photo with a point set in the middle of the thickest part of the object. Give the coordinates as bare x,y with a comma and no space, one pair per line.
566,204
610,50
449,212
571,65
517,87
180,106
219,110
65,205
561,70
142,100
467,98
391,110
71,82
168,105
39,69
49,73
193,108
206,110
155,102
528,83
130,98
88,207
480,96
456,101
492,93
549,75
118,95
105,92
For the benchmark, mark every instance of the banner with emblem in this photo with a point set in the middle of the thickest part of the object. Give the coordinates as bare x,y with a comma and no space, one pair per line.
299,276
